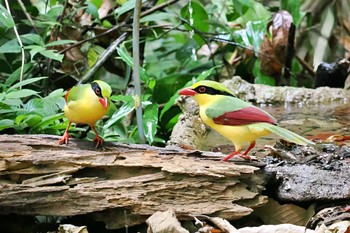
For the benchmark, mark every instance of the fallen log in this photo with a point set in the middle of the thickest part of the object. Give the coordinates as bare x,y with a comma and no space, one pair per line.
120,184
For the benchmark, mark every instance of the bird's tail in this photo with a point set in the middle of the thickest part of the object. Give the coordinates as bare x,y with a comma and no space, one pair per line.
287,135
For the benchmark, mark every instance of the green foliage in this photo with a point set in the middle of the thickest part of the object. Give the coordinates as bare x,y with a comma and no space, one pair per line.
6,20
175,51
261,78
37,115
293,7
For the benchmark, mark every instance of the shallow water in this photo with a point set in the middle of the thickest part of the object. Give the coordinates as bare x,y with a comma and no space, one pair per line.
309,121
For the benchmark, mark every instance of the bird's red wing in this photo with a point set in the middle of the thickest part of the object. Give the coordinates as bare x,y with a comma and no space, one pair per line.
244,116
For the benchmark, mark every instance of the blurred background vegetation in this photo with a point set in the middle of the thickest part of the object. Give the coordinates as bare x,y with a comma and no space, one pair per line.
63,42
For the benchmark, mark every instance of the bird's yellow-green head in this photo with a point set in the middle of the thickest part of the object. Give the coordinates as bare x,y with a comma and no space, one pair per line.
102,90
206,87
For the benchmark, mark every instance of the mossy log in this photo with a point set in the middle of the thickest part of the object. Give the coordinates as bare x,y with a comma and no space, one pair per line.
120,184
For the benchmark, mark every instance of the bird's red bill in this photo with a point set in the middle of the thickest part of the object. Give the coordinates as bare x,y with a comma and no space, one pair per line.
104,102
244,116
187,92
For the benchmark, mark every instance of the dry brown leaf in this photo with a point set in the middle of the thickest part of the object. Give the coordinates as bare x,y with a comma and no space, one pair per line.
273,50
274,213
105,7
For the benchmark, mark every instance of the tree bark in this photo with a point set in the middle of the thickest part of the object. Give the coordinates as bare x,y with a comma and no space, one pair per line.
120,184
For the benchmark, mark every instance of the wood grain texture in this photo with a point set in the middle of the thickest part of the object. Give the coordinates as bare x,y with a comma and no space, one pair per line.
40,177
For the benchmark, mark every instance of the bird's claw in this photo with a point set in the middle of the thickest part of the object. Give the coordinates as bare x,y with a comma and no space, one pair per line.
98,140
233,155
64,139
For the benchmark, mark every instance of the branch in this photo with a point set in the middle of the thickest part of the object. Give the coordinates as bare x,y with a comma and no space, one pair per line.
149,11
103,58
158,7
136,73
28,16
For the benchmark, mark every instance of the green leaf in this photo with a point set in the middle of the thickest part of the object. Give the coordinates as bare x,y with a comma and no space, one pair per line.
12,102
6,123
34,105
125,56
261,78
20,94
47,122
92,9
60,42
33,120
150,122
200,16
52,54
123,111
20,118
94,54
124,98
205,74
293,7
241,6
11,46
30,38
57,93
127,6
5,18
185,52
16,74
252,35
158,16
52,105
2,96
34,49
25,82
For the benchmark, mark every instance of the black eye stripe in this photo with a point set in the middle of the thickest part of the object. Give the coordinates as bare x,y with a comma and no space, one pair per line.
96,88
210,91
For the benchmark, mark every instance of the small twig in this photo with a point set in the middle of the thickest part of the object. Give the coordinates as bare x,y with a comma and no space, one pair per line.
28,16
92,38
307,67
60,20
136,72
103,58
149,11
19,41
158,7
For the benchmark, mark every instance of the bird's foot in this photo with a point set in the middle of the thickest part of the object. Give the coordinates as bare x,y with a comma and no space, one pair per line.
244,156
237,154
64,139
233,154
98,141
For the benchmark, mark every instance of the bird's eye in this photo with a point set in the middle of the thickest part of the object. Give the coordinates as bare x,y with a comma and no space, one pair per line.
202,89
98,91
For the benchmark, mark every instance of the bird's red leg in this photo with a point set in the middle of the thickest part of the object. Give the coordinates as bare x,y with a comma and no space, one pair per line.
245,154
97,138
231,155
237,153
65,136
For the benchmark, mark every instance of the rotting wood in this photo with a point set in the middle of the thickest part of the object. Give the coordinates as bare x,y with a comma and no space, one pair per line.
40,177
